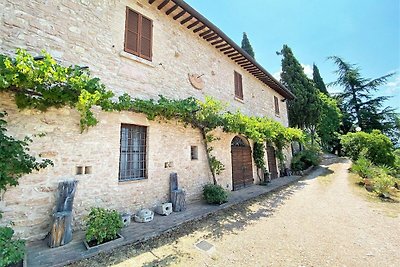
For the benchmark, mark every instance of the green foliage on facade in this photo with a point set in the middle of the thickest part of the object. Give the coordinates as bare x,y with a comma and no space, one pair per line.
14,158
246,46
41,84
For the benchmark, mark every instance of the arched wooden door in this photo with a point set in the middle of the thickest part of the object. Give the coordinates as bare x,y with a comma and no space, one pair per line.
242,171
271,157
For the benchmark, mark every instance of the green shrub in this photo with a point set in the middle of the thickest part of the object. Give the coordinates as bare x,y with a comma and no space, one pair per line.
304,159
102,225
382,183
12,251
363,167
378,147
215,194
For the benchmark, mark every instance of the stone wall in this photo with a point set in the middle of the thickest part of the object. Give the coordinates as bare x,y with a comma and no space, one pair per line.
91,33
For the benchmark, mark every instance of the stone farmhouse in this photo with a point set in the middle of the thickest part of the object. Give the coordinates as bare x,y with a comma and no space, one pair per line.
144,48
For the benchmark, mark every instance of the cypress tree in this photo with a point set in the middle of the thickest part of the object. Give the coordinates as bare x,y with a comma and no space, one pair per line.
246,46
304,110
319,83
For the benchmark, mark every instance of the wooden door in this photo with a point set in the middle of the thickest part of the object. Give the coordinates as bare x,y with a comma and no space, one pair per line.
271,157
242,171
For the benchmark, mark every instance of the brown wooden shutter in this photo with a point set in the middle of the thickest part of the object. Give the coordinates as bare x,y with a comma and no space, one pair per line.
132,32
276,102
238,86
146,38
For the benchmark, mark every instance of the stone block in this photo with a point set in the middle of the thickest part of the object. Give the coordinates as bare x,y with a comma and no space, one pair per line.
144,215
164,209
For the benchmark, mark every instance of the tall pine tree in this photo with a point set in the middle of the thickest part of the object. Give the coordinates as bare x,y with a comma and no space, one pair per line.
319,82
304,110
246,46
361,107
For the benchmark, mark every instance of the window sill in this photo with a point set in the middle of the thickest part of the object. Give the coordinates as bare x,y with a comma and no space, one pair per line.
137,59
277,115
239,99
132,181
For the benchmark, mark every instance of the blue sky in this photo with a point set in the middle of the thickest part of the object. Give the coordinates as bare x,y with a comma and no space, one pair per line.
364,32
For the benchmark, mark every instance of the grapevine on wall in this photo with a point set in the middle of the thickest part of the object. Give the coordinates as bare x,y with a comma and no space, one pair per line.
41,83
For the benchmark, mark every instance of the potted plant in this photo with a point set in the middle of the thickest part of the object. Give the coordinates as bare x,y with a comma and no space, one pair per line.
103,225
12,251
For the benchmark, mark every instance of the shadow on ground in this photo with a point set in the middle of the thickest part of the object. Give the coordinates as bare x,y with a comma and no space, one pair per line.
226,221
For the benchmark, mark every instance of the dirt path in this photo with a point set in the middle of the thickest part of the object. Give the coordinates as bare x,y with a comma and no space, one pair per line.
324,220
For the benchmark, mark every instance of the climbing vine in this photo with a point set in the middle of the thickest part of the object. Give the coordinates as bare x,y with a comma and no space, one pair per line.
41,83
15,160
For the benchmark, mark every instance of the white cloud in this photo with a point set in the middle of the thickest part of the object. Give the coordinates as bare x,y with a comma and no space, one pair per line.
277,75
308,70
393,85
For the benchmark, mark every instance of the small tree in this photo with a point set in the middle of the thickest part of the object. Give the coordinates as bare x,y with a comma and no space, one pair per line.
329,122
246,46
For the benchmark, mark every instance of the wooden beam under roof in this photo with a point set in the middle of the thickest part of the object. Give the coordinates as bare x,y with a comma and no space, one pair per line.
237,57
199,28
193,24
151,1
209,35
172,9
163,4
187,19
213,38
242,61
222,45
180,14
217,42
205,32
230,51
225,48
234,54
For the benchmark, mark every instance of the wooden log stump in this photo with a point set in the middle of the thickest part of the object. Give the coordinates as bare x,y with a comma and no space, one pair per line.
178,196
178,199
61,230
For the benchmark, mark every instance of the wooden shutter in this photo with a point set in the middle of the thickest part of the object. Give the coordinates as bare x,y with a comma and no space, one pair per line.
146,38
276,102
132,32
238,86
138,34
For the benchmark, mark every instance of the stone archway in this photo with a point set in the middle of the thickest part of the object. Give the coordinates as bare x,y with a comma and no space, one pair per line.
242,170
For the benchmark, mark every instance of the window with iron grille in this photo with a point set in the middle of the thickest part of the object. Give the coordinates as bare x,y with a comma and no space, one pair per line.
276,102
132,162
138,34
238,86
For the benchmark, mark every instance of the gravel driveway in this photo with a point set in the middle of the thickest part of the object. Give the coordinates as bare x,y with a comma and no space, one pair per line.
323,220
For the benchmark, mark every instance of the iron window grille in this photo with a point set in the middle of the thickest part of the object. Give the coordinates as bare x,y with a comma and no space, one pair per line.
132,163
